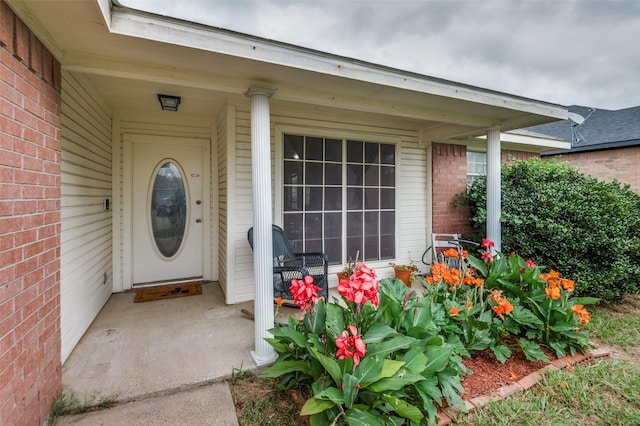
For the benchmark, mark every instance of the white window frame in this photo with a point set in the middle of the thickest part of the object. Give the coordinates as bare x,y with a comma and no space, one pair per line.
311,131
471,175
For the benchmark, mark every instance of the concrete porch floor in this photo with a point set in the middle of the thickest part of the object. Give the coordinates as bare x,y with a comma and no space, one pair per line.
134,351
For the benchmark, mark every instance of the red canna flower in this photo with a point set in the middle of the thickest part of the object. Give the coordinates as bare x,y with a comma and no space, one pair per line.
487,256
351,345
361,287
305,293
486,243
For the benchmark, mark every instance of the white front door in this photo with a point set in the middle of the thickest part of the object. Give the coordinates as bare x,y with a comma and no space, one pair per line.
168,209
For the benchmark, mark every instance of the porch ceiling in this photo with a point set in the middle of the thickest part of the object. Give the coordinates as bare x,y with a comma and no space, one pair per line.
131,56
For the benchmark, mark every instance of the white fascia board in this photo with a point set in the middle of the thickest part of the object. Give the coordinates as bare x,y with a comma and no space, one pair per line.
104,6
173,31
542,142
518,142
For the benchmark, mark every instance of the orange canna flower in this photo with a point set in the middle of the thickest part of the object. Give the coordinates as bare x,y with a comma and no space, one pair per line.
437,270
553,279
553,292
503,307
454,311
478,281
567,284
452,253
496,295
452,277
582,313
278,301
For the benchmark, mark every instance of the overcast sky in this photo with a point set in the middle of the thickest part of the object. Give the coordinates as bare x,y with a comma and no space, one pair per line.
584,52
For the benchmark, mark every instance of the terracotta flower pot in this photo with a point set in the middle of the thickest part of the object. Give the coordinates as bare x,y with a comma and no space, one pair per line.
404,275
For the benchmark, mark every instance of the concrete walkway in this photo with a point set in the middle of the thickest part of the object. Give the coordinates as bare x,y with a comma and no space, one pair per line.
206,405
165,362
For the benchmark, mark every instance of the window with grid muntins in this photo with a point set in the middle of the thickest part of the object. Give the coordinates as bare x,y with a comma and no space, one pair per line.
476,165
339,197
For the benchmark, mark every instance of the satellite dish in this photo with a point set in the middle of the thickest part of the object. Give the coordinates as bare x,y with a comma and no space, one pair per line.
576,118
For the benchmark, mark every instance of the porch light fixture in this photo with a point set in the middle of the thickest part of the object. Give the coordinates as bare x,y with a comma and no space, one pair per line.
168,102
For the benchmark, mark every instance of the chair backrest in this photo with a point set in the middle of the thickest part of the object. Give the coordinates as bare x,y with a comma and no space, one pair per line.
443,241
282,248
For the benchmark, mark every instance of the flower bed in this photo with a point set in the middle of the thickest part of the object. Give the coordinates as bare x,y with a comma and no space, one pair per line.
384,353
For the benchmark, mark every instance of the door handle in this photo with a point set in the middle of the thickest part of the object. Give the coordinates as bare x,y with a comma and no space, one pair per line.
198,220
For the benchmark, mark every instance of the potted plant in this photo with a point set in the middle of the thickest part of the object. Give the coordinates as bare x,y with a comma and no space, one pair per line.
406,273
349,268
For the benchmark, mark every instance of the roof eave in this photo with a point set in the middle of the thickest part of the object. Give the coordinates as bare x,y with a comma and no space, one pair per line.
133,23
597,147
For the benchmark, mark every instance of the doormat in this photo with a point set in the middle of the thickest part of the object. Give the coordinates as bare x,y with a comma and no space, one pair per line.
167,292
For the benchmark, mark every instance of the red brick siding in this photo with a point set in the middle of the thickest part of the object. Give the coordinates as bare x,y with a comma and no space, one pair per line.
621,164
449,179
508,156
30,369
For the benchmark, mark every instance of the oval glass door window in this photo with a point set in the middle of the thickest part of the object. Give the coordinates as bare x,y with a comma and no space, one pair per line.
168,209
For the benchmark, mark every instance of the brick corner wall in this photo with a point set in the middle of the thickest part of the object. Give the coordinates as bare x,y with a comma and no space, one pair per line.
622,164
450,178
30,156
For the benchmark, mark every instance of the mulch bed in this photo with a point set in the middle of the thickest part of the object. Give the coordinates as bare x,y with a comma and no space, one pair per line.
490,375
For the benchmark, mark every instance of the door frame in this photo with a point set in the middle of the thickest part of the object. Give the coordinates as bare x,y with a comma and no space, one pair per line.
127,196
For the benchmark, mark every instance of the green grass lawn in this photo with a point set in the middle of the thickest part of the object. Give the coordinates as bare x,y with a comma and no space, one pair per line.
605,392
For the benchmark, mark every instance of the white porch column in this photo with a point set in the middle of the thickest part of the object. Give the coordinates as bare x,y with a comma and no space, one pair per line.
262,237
494,205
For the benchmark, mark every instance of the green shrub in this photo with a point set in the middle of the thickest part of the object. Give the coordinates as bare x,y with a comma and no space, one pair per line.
568,221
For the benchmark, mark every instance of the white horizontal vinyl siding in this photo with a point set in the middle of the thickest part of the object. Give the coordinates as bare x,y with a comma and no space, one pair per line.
223,200
86,237
411,185
242,209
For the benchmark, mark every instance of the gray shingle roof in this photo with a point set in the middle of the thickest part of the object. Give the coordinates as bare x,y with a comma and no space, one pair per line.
601,129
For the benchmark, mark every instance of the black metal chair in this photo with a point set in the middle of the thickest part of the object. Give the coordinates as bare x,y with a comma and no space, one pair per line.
289,265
